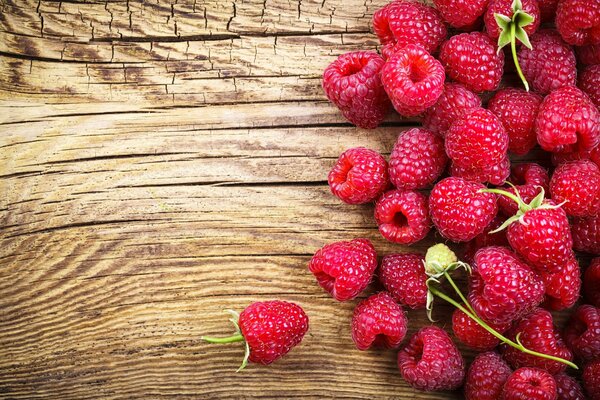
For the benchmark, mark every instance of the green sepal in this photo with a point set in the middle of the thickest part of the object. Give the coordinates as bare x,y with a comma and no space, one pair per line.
236,337
502,20
503,40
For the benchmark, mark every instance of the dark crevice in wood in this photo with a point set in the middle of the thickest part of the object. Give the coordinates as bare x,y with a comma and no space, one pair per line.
229,183
112,157
79,225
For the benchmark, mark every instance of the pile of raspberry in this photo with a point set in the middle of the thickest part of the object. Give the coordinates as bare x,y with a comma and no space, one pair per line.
526,229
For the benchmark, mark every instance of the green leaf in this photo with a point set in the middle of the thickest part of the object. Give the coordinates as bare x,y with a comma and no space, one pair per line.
521,18
503,40
522,37
503,21
517,5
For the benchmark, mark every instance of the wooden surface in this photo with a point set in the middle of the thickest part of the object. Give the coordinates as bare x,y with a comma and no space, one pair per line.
159,162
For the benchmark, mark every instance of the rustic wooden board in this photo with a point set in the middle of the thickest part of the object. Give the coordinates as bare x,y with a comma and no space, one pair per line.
159,162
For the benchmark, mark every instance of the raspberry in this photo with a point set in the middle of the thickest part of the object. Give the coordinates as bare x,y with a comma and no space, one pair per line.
586,234
460,14
567,121
567,388
474,335
588,55
359,176
477,139
591,379
403,275
589,82
538,334
413,80
453,103
582,333
459,211
431,361
529,384
486,239
471,59
495,174
407,22
592,154
486,377
591,283
578,21
502,287
379,322
353,84
517,110
527,178
402,216
578,184
504,7
563,286
550,64
344,269
547,9
417,160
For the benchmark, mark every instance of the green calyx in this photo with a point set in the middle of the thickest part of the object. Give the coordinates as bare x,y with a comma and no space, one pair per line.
237,337
511,30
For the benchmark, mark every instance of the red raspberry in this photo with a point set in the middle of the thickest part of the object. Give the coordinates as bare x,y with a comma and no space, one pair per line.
578,21
577,183
474,335
403,275
538,333
591,282
528,178
359,176
529,384
408,22
353,84
568,388
431,361
588,55
378,321
550,64
542,237
504,7
567,121
495,174
459,211
402,216
417,160
486,239
562,287
459,13
582,333
269,328
593,155
477,139
517,110
344,269
413,80
502,287
471,59
547,9
589,82
586,234
486,377
454,102
591,379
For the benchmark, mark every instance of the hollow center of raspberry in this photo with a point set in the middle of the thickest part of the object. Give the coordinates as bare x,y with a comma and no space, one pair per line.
352,68
417,72
400,219
534,382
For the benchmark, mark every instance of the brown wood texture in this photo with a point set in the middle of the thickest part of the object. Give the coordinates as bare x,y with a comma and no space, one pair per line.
159,162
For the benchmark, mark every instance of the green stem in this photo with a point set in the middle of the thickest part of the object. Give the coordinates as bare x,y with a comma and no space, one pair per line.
513,48
504,339
230,339
504,193
457,290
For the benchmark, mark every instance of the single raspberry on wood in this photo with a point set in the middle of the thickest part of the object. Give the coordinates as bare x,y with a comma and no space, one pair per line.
402,216
459,210
591,283
550,64
486,377
431,361
461,14
353,84
417,160
453,103
413,80
408,22
591,379
589,82
403,275
344,269
577,184
474,335
586,234
568,388
562,287
529,179
578,21
582,333
502,287
588,55
538,333
359,176
495,174
472,59
378,321
529,384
